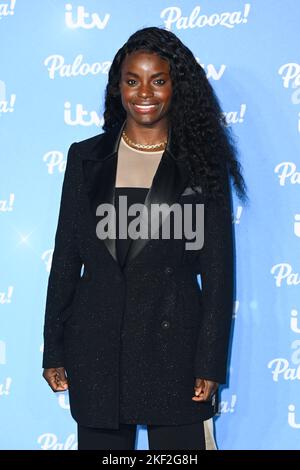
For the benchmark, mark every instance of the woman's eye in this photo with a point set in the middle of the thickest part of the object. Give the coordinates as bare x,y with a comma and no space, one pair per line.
131,80
161,81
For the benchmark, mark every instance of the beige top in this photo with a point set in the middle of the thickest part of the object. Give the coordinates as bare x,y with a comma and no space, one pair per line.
136,168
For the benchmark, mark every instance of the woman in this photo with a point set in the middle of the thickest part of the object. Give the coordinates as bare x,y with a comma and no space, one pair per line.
134,339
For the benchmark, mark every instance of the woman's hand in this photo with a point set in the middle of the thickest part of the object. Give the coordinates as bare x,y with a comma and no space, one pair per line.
56,378
204,389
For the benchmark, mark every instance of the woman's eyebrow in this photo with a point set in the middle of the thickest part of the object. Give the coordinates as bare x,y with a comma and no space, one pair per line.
152,76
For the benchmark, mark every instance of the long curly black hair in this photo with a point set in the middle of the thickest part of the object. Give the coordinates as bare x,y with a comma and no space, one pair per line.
199,129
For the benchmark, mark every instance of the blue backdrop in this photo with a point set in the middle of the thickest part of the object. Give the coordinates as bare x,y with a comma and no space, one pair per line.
55,57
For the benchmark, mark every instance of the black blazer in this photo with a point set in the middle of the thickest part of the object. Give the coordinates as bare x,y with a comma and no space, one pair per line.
178,331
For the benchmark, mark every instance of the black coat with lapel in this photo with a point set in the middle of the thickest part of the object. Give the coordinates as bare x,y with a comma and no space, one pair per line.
177,330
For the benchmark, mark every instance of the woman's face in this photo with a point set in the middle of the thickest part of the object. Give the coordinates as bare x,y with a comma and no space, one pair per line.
146,88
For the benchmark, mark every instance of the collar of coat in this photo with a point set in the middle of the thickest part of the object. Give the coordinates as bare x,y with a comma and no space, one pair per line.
99,169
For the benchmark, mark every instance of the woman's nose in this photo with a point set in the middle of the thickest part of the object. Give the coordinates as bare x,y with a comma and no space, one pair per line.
145,91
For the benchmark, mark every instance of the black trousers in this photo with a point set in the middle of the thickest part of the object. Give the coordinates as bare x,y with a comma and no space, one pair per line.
179,437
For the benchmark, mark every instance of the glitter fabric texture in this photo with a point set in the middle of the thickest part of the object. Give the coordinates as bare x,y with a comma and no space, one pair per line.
133,338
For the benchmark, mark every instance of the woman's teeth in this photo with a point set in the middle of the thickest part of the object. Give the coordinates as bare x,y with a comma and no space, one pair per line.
148,107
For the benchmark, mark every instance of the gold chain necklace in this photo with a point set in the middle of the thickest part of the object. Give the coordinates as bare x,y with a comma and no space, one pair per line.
161,145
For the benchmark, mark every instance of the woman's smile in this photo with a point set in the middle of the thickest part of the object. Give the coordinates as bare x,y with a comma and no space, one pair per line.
145,108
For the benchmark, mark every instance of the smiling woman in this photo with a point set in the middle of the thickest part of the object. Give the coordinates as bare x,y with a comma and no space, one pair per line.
146,93
139,343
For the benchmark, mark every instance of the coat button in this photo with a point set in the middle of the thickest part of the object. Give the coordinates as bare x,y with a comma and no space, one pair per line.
168,270
165,324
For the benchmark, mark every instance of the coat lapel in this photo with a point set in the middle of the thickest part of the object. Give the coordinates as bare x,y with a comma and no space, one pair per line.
100,168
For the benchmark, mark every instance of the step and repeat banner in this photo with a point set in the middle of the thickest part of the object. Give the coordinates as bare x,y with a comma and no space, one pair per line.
54,63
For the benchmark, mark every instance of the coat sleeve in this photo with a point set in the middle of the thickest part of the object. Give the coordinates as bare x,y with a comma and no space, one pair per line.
65,267
216,265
